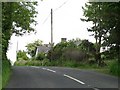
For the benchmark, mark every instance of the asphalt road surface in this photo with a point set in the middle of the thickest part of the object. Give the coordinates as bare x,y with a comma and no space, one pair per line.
59,77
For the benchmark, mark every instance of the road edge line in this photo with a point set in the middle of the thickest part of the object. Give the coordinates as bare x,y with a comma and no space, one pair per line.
74,79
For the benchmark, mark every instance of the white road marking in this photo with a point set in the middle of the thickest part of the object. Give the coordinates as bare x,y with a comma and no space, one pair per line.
35,66
44,68
49,70
74,79
96,89
63,74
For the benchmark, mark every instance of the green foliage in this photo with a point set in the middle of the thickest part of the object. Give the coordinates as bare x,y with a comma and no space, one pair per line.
106,19
87,46
20,62
44,62
33,58
71,63
74,54
21,15
31,47
17,18
40,56
57,51
21,55
77,50
6,72
114,68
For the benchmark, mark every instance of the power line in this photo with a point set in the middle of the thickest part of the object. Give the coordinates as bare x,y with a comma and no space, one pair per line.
55,10
61,6
46,18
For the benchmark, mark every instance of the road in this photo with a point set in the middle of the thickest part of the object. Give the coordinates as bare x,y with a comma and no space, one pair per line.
59,77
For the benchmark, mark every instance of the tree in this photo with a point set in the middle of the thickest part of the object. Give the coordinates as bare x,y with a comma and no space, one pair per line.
56,52
92,12
105,18
17,18
67,51
73,43
40,56
87,47
21,55
113,21
31,47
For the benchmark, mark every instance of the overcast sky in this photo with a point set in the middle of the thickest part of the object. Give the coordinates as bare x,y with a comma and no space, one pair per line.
66,24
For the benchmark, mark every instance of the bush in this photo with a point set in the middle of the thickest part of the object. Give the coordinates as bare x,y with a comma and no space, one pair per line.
92,61
74,54
40,56
71,63
20,63
115,68
45,62
34,63
33,58
21,55
6,71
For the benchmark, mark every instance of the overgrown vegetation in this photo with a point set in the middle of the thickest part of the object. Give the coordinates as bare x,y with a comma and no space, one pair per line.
106,29
6,72
70,54
17,18
81,53
22,55
31,47
108,69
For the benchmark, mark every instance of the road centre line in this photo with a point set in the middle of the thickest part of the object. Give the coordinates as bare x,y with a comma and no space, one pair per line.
49,70
63,75
96,89
74,79
45,69
35,66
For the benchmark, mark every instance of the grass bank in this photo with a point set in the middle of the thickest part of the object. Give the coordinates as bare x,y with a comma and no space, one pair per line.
6,72
110,68
0,81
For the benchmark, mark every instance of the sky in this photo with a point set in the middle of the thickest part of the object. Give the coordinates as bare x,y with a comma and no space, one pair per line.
66,24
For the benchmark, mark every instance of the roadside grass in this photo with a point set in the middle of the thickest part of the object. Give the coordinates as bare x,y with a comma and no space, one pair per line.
0,81
0,71
115,68
6,72
110,68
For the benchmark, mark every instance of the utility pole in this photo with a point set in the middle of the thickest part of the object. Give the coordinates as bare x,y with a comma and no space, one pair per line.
51,33
51,28
17,51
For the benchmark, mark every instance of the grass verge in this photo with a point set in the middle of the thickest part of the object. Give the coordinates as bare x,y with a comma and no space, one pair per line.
6,72
111,67
0,82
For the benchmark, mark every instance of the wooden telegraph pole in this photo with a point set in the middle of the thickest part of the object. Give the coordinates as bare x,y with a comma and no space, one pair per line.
51,28
17,51
51,33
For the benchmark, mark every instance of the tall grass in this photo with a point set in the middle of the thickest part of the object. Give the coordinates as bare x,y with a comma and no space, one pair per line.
0,75
6,71
61,63
0,81
112,66
115,68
